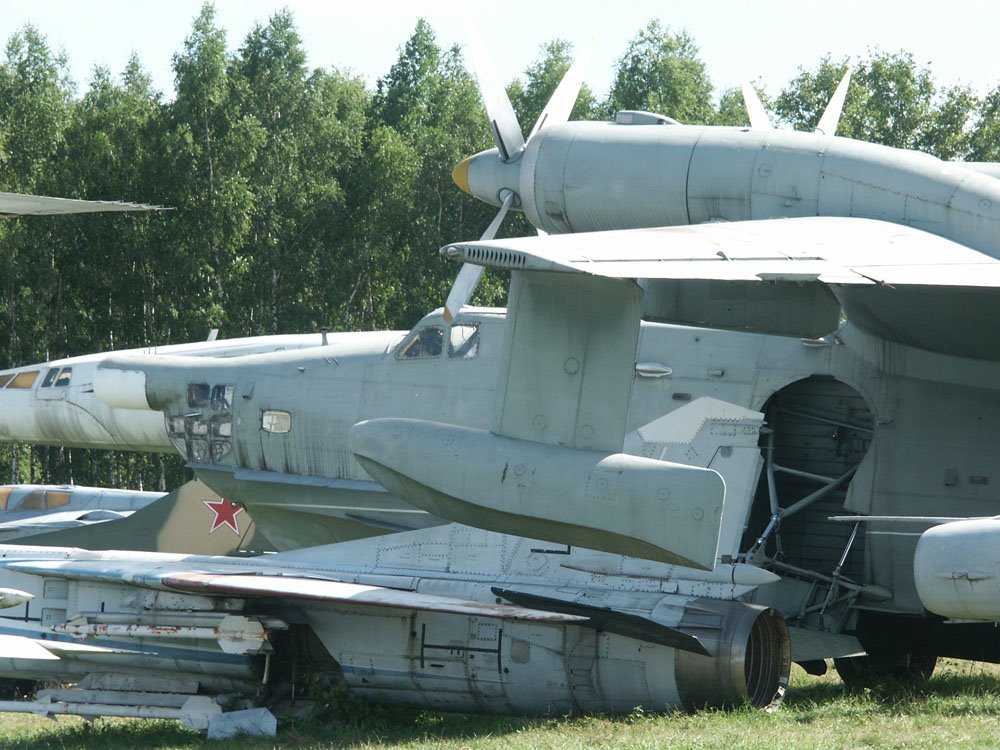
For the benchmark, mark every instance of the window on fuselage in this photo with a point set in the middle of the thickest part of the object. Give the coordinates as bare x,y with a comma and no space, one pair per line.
56,499
24,380
424,344
34,500
275,420
463,341
65,374
222,426
222,397
198,394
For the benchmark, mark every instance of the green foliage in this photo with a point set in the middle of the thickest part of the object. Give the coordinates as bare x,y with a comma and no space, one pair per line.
430,118
803,101
732,110
890,101
984,140
958,708
301,199
342,707
661,72
530,95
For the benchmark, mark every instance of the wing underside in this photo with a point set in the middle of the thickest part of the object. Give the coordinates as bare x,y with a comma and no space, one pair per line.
785,276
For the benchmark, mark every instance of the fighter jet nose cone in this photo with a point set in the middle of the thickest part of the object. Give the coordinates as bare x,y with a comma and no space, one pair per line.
460,174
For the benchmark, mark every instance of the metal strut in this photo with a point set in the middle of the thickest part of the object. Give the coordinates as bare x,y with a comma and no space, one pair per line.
777,512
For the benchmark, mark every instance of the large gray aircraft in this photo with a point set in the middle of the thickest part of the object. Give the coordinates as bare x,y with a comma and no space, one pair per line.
741,434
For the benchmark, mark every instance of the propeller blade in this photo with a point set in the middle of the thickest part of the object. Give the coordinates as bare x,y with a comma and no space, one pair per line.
755,109
468,274
560,104
831,115
503,122
461,290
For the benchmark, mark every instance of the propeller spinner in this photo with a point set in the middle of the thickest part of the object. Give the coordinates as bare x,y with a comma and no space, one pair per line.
501,162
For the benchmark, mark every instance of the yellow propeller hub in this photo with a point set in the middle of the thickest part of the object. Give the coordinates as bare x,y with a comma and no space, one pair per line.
460,174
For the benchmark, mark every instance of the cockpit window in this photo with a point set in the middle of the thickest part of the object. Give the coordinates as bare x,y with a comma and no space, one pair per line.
56,499
198,394
24,379
463,341
222,397
57,377
425,344
6,378
34,500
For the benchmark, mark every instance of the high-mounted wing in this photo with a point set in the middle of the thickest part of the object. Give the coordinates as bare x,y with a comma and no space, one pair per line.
786,276
18,204
552,464
830,250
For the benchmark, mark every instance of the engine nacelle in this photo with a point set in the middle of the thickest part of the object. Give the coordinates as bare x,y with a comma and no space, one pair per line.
443,662
956,568
751,656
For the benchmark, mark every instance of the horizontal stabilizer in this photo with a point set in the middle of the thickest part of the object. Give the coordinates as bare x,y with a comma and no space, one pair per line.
349,593
20,647
19,204
609,620
161,576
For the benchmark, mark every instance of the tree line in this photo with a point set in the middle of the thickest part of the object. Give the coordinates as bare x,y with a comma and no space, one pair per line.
301,198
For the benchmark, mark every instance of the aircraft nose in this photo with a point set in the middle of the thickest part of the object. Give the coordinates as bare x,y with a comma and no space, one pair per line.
460,174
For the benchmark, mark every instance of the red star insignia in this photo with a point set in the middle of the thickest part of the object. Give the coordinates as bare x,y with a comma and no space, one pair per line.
225,514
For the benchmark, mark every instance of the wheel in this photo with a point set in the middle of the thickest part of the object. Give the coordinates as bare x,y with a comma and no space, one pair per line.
14,689
859,672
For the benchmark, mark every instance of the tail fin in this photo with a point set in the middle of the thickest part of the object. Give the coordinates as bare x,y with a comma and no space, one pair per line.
191,520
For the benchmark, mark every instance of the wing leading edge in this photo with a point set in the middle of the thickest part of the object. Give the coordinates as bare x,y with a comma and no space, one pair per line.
785,276
243,584
18,204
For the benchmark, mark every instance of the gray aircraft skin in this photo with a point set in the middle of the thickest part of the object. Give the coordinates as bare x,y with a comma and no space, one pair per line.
666,174
450,618
27,509
663,409
54,402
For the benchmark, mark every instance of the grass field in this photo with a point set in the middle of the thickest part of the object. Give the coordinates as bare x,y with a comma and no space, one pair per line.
958,707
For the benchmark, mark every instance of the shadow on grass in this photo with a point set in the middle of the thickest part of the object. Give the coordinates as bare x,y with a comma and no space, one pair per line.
389,725
62,734
946,694
403,724
943,694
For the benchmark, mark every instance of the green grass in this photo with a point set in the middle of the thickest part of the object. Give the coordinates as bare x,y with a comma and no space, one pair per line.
958,707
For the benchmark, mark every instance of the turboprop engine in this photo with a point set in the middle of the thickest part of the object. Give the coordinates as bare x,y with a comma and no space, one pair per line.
590,176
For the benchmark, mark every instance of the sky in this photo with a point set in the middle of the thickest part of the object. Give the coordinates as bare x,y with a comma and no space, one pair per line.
761,40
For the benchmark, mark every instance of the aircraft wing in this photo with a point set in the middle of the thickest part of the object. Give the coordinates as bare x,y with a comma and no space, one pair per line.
828,249
17,204
785,276
208,582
